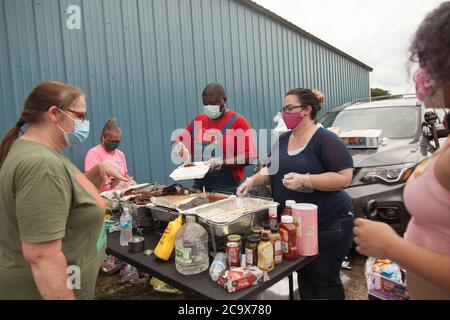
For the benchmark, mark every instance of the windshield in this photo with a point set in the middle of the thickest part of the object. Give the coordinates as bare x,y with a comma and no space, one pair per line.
395,122
328,119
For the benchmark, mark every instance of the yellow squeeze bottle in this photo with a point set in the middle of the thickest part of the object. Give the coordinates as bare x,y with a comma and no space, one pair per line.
166,244
265,253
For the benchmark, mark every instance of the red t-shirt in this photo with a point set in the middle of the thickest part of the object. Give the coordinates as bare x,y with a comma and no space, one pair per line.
237,141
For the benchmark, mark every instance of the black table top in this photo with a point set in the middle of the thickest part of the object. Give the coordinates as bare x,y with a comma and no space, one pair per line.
201,285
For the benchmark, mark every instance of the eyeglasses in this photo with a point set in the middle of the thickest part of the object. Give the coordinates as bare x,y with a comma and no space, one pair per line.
81,115
290,108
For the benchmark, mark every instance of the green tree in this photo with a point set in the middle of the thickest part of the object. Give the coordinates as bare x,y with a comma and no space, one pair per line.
377,92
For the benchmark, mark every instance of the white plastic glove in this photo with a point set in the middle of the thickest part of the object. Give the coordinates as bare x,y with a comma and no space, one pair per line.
245,187
180,151
215,164
298,182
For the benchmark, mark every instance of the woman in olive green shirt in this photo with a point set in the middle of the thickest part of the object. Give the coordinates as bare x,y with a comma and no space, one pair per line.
52,238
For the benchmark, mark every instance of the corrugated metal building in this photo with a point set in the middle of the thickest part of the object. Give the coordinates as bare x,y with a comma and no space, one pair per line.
146,63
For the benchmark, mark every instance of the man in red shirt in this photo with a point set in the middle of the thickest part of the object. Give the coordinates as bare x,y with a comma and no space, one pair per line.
221,137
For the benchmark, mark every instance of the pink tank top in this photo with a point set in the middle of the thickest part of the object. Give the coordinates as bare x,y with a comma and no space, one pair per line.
429,204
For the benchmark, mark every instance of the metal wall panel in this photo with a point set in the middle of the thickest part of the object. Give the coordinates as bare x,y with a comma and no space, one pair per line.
146,62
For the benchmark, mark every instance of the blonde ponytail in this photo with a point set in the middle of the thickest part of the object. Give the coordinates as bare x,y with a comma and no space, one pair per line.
320,98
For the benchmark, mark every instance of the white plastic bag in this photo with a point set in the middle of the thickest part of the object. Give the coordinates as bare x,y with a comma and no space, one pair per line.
281,126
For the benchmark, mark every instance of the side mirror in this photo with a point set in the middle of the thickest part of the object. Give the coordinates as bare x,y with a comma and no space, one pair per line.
442,132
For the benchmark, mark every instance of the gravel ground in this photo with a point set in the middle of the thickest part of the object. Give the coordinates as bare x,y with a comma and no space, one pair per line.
356,287
110,288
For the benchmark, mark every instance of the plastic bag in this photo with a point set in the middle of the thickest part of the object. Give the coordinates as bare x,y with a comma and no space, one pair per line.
161,286
281,126
109,264
129,274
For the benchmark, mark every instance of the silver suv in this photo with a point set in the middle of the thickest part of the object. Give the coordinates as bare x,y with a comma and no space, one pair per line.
411,133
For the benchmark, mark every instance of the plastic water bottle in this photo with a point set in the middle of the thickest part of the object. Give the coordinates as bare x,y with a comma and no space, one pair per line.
219,266
126,227
191,248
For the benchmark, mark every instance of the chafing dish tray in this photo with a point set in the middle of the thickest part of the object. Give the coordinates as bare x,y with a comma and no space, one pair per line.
167,208
231,216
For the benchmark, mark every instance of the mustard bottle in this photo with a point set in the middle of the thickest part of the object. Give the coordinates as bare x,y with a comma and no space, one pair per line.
166,244
265,253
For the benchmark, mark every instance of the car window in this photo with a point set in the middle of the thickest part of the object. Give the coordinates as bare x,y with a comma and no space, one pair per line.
395,122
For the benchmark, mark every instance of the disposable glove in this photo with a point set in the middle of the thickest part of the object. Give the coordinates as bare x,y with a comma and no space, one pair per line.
215,164
298,182
245,187
180,151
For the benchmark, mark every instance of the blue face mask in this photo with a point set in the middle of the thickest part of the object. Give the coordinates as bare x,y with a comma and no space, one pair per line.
79,135
213,112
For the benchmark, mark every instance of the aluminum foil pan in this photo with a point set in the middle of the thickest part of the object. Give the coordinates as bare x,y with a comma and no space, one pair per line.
169,208
231,216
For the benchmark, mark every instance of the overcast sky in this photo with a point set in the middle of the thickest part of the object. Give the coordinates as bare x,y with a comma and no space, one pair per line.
376,32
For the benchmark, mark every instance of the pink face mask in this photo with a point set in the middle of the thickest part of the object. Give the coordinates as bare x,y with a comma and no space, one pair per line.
424,85
292,119
427,91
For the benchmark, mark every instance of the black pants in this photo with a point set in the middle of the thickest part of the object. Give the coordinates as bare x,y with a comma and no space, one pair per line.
321,278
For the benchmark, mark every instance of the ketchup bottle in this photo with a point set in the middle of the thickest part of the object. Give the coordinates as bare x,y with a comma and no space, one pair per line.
288,234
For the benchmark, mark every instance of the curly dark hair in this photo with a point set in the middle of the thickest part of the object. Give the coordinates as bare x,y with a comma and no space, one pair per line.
431,44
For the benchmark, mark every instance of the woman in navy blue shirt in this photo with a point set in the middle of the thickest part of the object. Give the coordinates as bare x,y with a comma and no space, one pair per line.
314,166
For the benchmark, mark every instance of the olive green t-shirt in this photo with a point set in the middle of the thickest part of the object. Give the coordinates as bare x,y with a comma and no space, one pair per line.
44,197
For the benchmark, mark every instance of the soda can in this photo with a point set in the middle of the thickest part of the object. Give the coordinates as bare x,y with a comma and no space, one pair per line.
234,255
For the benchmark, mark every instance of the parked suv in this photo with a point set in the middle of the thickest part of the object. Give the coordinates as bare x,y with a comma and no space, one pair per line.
410,134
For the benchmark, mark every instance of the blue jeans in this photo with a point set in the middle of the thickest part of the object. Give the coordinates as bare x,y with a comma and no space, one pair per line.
321,278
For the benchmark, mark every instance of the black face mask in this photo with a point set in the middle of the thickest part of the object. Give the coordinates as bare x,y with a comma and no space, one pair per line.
111,146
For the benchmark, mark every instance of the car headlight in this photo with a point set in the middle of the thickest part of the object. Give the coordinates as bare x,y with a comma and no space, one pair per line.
388,174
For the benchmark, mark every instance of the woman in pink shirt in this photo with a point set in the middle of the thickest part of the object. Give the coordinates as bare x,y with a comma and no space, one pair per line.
107,151
425,250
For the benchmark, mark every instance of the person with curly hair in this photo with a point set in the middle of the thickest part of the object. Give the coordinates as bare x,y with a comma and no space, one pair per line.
314,167
425,250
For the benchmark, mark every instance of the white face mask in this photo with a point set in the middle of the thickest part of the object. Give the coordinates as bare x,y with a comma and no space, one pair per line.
213,112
